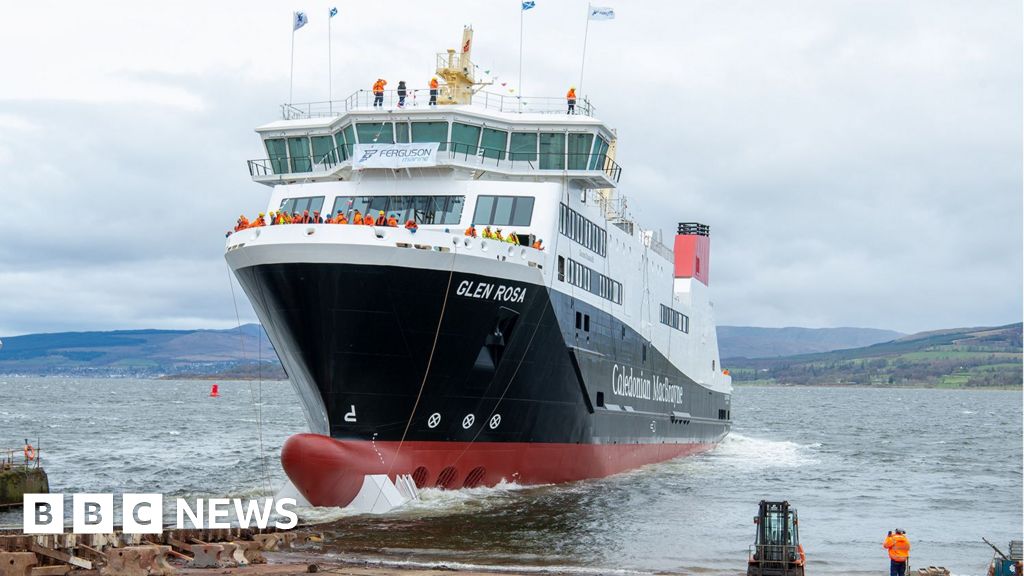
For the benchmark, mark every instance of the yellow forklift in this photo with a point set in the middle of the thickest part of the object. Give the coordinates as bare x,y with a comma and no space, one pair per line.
776,550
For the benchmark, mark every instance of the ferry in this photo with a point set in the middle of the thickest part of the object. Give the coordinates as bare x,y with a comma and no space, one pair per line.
465,361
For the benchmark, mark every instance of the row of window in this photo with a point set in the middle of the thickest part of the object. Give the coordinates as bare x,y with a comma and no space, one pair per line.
592,281
581,230
421,209
503,211
677,320
554,150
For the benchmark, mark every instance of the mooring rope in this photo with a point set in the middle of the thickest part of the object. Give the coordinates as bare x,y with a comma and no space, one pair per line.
257,405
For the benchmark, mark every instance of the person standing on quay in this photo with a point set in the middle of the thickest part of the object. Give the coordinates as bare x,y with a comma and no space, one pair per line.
898,546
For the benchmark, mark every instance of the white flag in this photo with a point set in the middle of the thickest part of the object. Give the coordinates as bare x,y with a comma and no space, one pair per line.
601,13
299,21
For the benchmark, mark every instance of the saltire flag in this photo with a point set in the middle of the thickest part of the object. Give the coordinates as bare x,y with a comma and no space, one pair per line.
334,12
529,4
299,20
601,13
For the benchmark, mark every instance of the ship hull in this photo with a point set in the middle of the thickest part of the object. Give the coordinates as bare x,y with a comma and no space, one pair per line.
465,377
328,471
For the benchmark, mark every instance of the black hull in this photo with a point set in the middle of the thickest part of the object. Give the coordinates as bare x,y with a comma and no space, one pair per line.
364,336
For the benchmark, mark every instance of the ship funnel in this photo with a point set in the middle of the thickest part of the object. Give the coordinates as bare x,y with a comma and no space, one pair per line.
692,251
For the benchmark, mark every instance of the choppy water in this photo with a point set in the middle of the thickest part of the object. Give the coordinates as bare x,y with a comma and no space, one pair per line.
943,465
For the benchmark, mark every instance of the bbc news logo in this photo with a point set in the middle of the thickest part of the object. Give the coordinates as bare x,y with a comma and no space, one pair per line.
144,513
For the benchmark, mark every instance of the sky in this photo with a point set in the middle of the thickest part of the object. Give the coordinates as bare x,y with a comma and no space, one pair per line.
859,162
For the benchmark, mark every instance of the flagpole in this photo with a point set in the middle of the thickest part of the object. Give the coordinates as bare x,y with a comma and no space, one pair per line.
330,80
291,73
520,95
583,63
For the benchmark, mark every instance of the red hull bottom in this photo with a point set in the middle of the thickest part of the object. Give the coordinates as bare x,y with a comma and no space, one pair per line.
329,472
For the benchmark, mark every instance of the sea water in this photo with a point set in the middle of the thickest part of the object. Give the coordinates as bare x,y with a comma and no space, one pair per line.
944,465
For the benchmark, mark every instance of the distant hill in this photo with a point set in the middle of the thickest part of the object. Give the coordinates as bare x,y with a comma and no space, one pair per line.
962,357
751,342
137,352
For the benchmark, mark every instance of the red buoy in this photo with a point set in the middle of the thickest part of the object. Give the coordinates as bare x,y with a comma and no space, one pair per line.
214,392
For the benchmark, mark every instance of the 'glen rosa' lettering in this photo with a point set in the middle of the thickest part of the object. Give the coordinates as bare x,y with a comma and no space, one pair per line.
487,291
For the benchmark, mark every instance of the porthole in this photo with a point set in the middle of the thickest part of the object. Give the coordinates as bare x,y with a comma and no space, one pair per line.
468,421
495,422
434,420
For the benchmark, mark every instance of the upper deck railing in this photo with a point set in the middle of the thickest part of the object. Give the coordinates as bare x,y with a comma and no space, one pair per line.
419,98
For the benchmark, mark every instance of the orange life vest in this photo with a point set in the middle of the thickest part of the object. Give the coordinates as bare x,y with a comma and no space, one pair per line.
571,95
433,84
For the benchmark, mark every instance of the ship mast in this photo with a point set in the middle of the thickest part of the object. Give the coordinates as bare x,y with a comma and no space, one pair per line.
458,72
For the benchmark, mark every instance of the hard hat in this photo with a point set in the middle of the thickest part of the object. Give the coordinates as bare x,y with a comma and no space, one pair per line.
261,213
381,212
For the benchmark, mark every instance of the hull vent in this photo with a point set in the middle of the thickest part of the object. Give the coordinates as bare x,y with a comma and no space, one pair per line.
446,477
475,476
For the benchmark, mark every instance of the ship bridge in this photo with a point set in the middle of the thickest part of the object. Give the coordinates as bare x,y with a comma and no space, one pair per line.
490,137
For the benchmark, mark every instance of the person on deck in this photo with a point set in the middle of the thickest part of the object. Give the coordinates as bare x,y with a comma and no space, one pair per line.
340,218
381,220
898,546
242,223
512,238
538,244
317,218
368,220
433,91
471,231
570,98
411,225
392,221
498,235
357,218
258,222
378,92
401,93
488,233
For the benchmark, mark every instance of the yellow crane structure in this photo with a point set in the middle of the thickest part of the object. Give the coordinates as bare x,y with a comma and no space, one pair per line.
458,72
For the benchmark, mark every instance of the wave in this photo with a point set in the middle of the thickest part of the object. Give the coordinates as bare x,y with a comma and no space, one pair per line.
517,569
747,451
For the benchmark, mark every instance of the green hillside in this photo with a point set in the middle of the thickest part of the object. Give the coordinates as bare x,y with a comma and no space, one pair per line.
959,358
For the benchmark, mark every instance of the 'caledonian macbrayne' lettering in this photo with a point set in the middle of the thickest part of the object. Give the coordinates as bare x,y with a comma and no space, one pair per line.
487,291
647,388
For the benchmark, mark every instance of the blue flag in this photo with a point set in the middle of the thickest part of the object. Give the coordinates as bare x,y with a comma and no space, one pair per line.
529,4
299,20
334,12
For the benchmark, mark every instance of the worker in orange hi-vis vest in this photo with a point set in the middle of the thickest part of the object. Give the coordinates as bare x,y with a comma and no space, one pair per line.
433,91
570,98
898,546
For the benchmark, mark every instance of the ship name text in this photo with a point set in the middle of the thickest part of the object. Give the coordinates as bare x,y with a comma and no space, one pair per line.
627,384
488,291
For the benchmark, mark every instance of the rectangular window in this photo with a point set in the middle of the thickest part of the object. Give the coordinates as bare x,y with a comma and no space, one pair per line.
323,151
523,147
494,143
375,133
278,154
431,132
465,138
586,322
422,209
298,151
503,210
590,280
582,231
579,150
552,151
300,205
350,140
402,132
597,161
675,319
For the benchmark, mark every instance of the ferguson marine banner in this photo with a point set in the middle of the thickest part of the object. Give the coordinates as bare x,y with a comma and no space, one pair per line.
394,155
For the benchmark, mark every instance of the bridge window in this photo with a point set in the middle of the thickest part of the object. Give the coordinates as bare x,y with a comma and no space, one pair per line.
350,140
323,150
494,143
402,132
422,209
503,211
579,150
298,150
431,132
465,138
597,161
278,154
552,151
311,203
375,132
523,147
